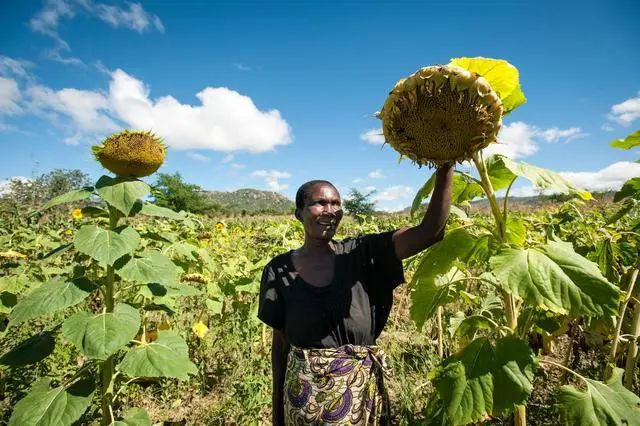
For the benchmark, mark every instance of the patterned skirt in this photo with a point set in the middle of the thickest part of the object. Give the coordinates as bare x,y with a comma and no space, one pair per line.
337,386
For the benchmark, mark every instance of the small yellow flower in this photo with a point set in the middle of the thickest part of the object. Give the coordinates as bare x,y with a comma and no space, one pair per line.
237,230
219,226
77,214
68,232
200,329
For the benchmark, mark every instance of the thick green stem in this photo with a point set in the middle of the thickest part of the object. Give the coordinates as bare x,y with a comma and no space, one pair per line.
440,333
623,309
632,353
511,309
107,368
485,182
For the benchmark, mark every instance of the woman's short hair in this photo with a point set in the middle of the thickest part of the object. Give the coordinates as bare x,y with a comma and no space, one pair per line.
303,192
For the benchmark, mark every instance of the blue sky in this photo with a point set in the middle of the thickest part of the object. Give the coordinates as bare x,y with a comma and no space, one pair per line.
268,94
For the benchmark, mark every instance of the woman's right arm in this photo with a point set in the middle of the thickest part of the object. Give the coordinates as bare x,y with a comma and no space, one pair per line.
279,353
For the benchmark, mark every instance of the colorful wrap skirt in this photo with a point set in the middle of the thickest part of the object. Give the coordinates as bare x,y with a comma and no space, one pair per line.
337,386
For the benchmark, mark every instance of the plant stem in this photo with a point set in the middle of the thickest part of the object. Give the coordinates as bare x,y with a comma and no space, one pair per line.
623,309
511,310
440,333
632,353
107,367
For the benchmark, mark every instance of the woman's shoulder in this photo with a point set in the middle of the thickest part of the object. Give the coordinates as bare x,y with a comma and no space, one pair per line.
279,260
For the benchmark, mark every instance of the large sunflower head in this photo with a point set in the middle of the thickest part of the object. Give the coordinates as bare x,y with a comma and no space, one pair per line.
131,153
441,114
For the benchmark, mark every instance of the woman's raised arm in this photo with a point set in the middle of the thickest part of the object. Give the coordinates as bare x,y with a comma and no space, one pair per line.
410,241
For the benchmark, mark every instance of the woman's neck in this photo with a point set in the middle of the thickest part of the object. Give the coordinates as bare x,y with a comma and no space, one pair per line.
316,247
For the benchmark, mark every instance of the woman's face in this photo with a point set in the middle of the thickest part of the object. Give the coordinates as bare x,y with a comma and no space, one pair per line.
322,212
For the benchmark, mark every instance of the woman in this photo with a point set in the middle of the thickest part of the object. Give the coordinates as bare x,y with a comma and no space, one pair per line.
328,301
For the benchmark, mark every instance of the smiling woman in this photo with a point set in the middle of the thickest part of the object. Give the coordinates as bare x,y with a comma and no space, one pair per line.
327,303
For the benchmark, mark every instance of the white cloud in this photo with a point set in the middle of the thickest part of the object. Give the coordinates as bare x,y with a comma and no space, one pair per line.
519,139
225,121
198,157
86,109
516,140
238,166
272,178
357,180
15,67
626,112
376,174
9,96
611,177
227,158
554,134
135,18
392,193
48,19
241,67
607,127
373,136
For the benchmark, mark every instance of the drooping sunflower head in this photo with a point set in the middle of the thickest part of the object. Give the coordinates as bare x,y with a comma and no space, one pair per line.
131,153
441,114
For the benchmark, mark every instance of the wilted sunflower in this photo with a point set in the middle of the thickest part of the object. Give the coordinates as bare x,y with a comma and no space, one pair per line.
441,114
131,153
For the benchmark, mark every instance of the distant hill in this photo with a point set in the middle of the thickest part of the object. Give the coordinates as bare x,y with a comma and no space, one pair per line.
251,201
533,203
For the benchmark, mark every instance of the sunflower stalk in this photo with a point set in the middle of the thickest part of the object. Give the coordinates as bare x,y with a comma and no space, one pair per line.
509,301
107,367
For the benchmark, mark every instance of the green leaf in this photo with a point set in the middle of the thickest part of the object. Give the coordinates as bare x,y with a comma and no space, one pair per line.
57,251
464,189
423,193
627,206
499,175
631,188
166,357
485,380
631,141
104,245
503,77
516,231
121,193
556,278
429,281
53,407
134,417
7,302
71,196
50,297
170,290
607,403
101,335
470,325
431,293
150,209
541,178
214,306
154,267
32,350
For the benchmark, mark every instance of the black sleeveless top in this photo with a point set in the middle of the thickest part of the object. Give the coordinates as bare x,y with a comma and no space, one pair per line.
352,309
